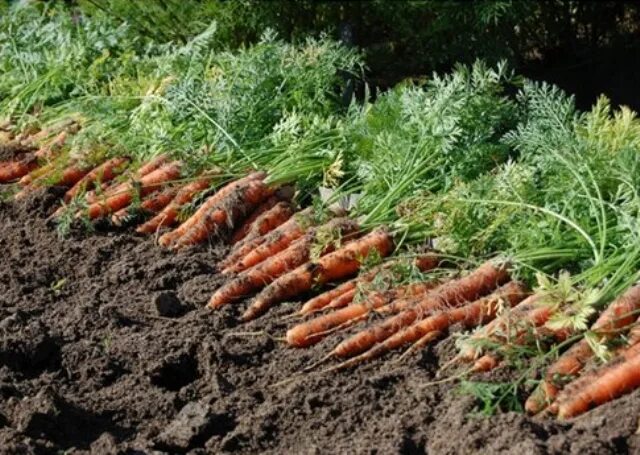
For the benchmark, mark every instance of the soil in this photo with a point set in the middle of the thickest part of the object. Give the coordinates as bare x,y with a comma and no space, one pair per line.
105,348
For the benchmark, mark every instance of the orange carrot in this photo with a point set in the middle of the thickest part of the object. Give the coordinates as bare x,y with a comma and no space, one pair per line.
267,271
242,249
485,363
423,263
617,379
171,237
312,331
334,266
168,215
151,165
153,204
270,244
13,170
619,314
226,213
453,293
100,174
268,221
146,185
243,230
472,314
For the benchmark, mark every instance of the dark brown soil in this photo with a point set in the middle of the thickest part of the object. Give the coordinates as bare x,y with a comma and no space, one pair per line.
105,348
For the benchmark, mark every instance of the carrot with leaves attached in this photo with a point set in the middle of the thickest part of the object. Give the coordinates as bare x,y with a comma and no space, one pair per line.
169,238
267,271
226,213
471,314
257,219
620,377
105,172
619,314
169,214
338,265
312,331
254,252
146,185
13,170
453,293
423,263
153,204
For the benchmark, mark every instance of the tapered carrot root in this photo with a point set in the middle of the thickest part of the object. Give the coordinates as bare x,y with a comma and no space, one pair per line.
261,223
226,213
271,244
151,165
618,314
483,280
615,380
169,214
314,330
169,238
485,363
67,177
340,264
268,221
13,170
423,263
102,173
153,204
146,185
297,221
469,315
267,271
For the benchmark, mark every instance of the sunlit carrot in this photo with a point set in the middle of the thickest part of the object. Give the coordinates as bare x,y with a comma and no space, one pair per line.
620,313
105,172
481,281
168,215
146,185
243,230
299,221
312,331
423,263
209,205
338,265
226,213
267,271
152,204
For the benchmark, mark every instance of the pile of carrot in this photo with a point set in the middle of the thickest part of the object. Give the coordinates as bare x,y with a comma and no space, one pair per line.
278,254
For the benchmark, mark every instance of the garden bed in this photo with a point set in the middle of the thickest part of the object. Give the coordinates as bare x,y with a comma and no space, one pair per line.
106,346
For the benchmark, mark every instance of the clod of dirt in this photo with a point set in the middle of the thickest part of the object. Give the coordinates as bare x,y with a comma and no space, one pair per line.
194,424
30,350
168,304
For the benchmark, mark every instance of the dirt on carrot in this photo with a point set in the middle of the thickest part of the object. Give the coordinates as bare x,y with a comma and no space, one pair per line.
106,347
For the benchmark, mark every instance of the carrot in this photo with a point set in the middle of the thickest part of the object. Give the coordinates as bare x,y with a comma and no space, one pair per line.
225,213
67,177
152,204
243,230
334,266
169,238
268,221
423,263
147,184
617,379
485,363
13,170
619,314
484,279
267,271
151,165
36,173
100,174
312,331
168,215
275,241
472,314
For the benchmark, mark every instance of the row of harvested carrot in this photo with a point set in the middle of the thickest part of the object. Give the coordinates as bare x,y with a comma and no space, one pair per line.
275,254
